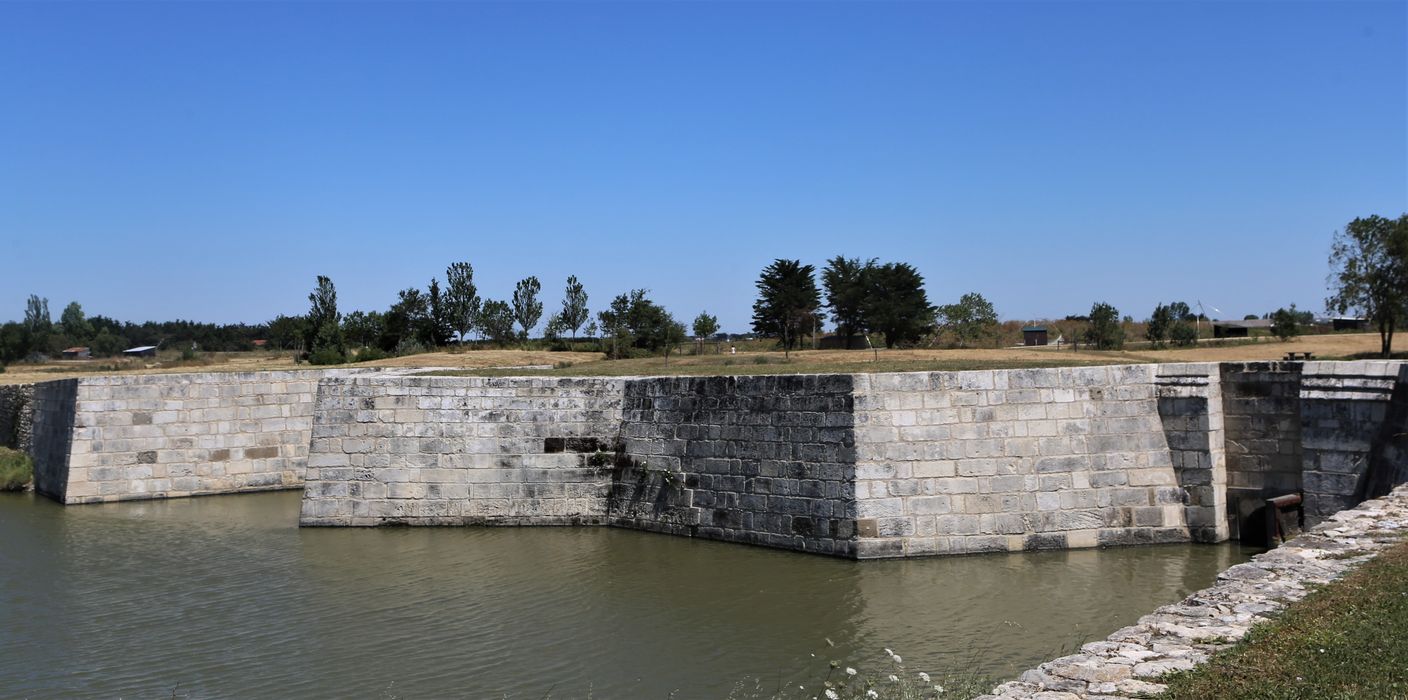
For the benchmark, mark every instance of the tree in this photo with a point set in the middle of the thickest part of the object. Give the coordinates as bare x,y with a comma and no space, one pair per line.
75,325
37,325
1105,331
634,321
526,307
653,327
705,326
788,301
844,279
1183,334
461,298
324,340
1285,323
440,317
1160,324
1369,274
105,343
574,306
496,319
36,315
363,328
1181,312
288,332
407,322
555,327
970,319
614,321
896,304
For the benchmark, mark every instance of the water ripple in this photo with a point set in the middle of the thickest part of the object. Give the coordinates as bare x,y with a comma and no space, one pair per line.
226,597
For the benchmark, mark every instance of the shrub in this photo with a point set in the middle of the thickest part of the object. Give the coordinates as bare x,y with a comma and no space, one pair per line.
408,346
327,356
16,470
370,353
1105,331
1183,335
1285,323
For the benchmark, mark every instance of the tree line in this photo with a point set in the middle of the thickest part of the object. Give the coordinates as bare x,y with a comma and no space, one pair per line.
631,325
861,298
39,335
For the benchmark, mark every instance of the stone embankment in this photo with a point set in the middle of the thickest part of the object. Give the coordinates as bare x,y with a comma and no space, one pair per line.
1177,637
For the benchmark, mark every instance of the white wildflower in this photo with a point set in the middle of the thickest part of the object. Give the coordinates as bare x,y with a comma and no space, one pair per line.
871,693
888,652
894,678
850,671
896,658
938,689
924,676
832,694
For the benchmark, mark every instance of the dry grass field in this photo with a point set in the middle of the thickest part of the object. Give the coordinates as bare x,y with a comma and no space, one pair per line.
503,362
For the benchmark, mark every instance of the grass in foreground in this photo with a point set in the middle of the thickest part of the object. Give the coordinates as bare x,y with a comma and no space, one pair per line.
1346,640
771,363
16,470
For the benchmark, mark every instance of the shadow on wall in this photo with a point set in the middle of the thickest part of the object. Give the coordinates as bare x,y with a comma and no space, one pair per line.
1388,463
54,407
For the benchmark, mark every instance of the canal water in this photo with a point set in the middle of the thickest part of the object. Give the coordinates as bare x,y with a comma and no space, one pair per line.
225,597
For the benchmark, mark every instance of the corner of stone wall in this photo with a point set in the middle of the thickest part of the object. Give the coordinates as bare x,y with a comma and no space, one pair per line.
1013,460
1190,410
1352,417
53,406
766,460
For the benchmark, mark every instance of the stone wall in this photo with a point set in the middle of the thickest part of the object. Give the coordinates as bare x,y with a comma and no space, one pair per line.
1261,413
766,460
171,435
52,408
1190,409
1343,410
880,465
956,462
1388,465
461,451
15,416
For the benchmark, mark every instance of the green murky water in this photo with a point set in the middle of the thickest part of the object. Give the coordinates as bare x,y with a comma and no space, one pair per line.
225,596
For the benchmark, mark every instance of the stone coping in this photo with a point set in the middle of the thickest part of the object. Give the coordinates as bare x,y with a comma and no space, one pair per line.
1177,637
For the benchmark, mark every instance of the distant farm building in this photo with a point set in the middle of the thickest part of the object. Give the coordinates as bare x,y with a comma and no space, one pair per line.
259,343
141,351
1349,324
1034,335
77,354
1238,329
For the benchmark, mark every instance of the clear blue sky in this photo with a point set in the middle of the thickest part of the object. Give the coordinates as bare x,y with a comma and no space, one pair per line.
207,160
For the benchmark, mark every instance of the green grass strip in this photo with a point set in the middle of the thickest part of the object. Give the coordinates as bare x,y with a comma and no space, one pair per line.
1348,639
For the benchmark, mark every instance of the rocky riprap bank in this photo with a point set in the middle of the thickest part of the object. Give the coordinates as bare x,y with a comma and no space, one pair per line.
1177,637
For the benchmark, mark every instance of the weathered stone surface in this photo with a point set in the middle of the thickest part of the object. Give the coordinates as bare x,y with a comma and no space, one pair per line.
883,465
128,437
